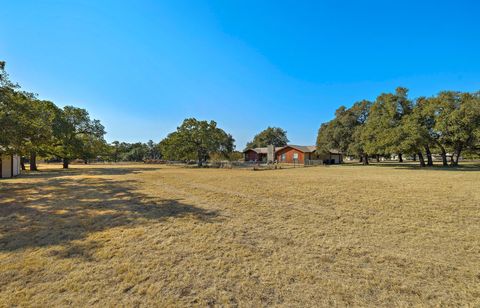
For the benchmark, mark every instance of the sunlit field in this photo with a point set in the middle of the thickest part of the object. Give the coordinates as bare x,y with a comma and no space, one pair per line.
156,235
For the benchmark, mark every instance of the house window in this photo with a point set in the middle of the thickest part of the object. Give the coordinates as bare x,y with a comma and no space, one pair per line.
295,156
284,157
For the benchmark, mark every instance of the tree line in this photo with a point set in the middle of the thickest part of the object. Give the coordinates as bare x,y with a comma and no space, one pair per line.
33,127
394,124
30,126
133,152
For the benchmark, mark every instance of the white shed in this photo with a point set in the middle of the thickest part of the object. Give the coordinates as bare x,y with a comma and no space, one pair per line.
9,165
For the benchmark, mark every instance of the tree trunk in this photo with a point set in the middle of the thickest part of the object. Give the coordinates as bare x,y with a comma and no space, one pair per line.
360,160
199,156
444,156
457,156
420,158
22,163
378,158
65,163
33,161
400,158
429,156
365,159
415,157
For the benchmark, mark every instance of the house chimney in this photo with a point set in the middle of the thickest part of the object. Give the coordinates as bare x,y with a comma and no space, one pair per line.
270,153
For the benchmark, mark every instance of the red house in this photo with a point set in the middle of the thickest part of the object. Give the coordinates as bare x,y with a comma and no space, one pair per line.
256,154
299,154
294,154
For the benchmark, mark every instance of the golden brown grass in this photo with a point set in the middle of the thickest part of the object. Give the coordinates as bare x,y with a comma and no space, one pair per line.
153,235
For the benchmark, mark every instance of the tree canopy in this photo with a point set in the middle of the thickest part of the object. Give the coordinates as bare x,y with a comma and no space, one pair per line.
29,126
446,123
344,132
138,151
196,139
271,135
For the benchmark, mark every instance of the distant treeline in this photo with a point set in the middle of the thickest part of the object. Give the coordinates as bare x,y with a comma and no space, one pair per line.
192,141
33,128
394,124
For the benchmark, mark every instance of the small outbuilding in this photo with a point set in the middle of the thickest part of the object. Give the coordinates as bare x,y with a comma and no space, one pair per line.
9,165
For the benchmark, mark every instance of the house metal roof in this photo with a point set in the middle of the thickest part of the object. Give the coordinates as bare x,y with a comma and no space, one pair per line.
303,148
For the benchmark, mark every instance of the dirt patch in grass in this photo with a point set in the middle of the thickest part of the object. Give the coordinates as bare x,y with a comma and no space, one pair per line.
150,235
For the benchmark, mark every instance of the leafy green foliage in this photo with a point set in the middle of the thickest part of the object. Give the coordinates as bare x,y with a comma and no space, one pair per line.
10,111
76,135
122,151
29,125
383,132
196,140
271,135
448,122
344,132
458,121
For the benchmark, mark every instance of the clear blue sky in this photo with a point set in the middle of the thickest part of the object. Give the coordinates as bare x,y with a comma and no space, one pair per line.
141,67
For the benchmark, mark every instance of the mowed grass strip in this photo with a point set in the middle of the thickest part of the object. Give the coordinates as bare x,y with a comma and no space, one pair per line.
321,236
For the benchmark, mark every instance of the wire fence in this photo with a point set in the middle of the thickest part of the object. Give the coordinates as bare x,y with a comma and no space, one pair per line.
225,164
254,165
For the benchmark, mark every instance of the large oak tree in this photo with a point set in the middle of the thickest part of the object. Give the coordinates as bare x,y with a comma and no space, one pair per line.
270,136
73,132
196,139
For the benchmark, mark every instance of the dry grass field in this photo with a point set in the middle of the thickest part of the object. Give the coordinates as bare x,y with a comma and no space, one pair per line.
142,235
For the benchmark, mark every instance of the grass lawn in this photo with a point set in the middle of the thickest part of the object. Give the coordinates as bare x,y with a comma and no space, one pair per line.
155,235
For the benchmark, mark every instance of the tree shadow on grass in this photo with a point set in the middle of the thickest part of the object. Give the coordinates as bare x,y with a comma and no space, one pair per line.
60,209
416,166
470,167
48,173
